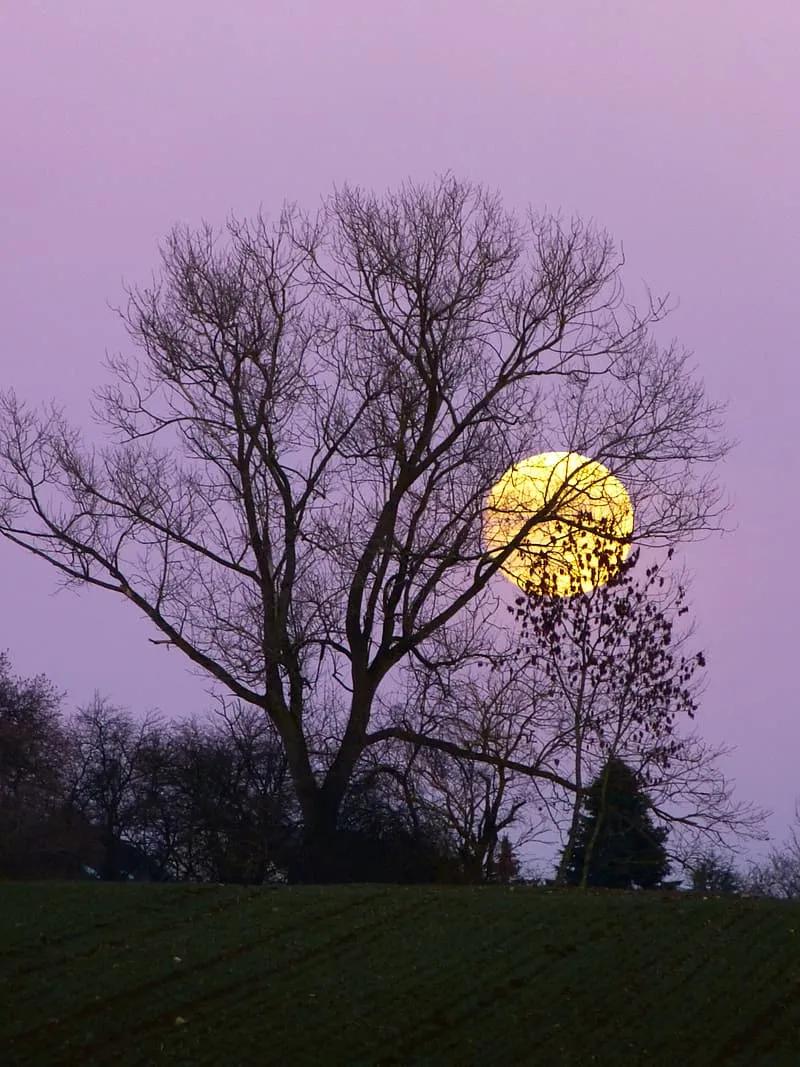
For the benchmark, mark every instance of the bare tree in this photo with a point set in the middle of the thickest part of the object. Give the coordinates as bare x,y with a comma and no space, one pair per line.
691,793
483,708
389,830
107,776
305,446
184,802
215,804
481,803
254,818
778,874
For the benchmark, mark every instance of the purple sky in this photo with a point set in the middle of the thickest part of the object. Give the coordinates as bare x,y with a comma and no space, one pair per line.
671,124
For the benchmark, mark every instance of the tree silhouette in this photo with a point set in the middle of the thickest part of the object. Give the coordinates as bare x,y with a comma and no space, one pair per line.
617,845
506,867
32,757
714,873
305,440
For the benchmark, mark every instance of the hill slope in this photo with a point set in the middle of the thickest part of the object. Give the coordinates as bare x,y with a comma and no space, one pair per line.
138,974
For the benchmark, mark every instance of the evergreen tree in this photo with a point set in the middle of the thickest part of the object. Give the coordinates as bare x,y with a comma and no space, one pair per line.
506,867
617,844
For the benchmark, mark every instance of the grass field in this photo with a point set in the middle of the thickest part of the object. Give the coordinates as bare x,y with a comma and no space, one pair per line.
139,974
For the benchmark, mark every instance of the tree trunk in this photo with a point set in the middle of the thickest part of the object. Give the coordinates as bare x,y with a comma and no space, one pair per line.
569,848
109,870
325,855
592,844
322,855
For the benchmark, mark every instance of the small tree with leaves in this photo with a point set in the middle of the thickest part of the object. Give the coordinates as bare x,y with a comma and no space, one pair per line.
616,668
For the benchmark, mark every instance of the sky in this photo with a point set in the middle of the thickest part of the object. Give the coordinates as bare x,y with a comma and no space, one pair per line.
672,125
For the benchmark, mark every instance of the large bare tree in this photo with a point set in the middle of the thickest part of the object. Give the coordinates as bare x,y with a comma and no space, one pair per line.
304,443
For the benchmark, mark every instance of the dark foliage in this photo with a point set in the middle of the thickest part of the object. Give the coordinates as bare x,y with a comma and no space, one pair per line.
713,873
617,845
105,795
216,807
379,838
506,866
35,831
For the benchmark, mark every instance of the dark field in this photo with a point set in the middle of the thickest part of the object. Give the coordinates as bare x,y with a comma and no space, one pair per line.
139,974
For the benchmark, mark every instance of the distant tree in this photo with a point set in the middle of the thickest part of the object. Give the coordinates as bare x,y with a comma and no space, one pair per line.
473,799
157,824
506,866
387,833
617,844
490,711
263,809
32,762
713,873
31,736
107,775
778,875
307,434
220,804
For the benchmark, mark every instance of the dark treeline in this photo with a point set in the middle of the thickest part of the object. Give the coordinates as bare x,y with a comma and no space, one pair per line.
105,794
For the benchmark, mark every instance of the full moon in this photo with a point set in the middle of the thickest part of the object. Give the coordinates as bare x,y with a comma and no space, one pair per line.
580,543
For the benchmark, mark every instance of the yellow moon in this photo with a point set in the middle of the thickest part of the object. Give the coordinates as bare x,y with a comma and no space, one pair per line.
584,535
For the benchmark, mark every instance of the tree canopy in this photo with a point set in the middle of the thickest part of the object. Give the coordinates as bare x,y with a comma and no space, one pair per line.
304,443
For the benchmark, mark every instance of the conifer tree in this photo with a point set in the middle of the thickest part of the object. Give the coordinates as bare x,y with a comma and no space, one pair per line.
617,844
507,865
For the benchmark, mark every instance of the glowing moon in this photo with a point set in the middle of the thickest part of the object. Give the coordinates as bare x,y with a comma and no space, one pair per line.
584,536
